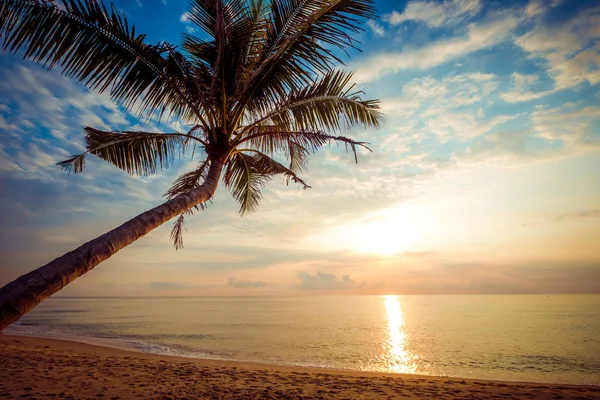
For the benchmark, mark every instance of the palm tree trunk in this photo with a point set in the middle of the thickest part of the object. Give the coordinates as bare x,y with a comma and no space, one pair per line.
24,293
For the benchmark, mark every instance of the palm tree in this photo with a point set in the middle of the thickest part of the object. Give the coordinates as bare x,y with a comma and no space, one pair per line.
262,86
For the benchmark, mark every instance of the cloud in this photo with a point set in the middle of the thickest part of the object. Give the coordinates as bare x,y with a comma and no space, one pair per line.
570,216
451,90
534,8
479,36
592,213
376,28
233,282
185,17
170,285
436,14
325,281
527,276
567,50
6,165
521,90
448,107
574,128
551,133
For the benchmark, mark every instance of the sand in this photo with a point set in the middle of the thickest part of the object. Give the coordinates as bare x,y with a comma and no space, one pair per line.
36,368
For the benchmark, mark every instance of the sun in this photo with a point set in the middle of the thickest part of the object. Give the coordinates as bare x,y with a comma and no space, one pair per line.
384,236
385,233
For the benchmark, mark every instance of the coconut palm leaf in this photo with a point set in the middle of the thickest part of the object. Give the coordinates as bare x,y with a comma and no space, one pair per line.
177,231
246,175
137,153
189,180
270,141
96,46
244,181
184,184
298,45
328,104
266,165
179,227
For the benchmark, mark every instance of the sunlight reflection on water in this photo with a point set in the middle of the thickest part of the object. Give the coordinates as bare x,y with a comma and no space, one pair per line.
399,359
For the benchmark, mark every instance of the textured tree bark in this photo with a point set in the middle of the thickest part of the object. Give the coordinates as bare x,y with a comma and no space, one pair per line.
24,293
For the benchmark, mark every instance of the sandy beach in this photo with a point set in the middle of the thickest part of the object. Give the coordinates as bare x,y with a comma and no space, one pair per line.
40,368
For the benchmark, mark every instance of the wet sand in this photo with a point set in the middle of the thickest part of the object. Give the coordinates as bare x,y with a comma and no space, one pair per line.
36,368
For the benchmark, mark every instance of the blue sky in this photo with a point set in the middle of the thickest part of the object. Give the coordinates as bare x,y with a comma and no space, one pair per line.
484,179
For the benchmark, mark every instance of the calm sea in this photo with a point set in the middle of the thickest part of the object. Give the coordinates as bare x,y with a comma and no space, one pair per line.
535,338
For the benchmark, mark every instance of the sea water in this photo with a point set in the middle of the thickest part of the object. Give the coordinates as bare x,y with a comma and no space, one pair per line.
534,338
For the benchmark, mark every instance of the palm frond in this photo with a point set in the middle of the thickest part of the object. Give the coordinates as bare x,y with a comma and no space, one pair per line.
263,164
139,153
177,231
178,228
75,164
270,140
189,180
208,14
244,181
298,156
328,104
184,184
95,45
246,176
299,44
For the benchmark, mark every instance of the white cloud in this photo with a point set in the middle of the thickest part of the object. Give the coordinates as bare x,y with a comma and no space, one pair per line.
571,127
570,51
450,108
560,132
452,90
185,17
521,90
450,124
6,126
324,281
436,14
479,36
376,28
6,165
534,8
583,67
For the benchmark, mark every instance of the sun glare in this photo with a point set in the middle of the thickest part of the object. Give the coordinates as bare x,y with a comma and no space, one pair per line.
385,232
389,232
384,237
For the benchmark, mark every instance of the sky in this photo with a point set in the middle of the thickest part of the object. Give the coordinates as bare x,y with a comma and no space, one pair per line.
485,177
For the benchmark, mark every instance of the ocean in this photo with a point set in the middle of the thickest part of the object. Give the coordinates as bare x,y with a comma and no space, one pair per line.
531,338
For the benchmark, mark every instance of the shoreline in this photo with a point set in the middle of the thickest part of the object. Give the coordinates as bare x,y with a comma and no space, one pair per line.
130,346
42,366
